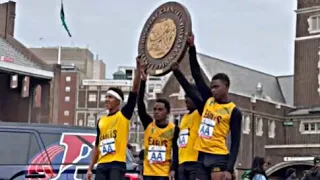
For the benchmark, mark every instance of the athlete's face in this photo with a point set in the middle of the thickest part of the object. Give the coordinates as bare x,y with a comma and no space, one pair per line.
159,111
218,89
189,103
111,102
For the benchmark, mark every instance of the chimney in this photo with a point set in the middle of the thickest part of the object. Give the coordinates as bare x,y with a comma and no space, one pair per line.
7,18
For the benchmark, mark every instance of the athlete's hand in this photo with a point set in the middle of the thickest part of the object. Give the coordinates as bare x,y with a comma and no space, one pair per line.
226,175
190,40
143,72
138,66
171,176
89,174
174,66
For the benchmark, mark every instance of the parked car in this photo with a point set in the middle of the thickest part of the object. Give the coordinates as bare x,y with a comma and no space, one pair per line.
49,152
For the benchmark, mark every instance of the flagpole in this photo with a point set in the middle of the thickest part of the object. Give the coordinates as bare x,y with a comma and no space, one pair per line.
59,54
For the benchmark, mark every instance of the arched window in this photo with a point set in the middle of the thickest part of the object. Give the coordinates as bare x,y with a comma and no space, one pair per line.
271,128
259,126
246,124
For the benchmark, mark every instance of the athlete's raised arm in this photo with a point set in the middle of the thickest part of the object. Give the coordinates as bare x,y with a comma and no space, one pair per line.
187,87
128,109
235,128
142,111
203,88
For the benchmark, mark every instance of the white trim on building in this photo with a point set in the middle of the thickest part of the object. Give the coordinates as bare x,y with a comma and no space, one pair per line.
30,71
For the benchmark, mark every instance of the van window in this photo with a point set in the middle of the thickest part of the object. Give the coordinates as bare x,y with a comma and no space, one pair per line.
49,139
19,148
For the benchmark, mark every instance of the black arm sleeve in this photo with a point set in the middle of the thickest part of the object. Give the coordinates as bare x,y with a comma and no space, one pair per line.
142,111
98,134
190,91
235,127
127,110
175,149
203,88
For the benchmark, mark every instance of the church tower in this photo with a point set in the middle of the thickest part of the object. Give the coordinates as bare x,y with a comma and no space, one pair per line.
307,54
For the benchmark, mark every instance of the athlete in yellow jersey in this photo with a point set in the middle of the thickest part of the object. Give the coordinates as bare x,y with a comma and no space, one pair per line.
189,126
160,139
219,117
110,147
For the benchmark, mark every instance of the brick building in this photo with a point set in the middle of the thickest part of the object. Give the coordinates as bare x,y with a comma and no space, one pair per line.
25,79
76,64
66,97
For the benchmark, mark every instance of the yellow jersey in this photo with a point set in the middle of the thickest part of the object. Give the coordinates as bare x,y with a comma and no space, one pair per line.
113,138
188,134
214,127
158,149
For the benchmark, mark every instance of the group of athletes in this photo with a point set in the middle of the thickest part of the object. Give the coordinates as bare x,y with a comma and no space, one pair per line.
195,149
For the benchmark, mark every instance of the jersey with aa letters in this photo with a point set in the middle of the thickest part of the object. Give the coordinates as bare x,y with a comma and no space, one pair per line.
214,127
189,127
113,138
157,150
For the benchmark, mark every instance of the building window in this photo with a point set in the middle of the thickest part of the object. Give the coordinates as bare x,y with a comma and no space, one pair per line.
80,122
66,113
246,124
67,99
126,96
150,88
92,97
314,24
311,127
67,89
91,120
68,78
271,128
102,97
259,126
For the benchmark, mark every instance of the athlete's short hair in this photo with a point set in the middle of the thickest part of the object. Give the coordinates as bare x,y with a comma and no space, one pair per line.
165,102
118,91
222,77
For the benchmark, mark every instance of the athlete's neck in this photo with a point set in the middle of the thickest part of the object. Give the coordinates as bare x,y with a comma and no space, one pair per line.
223,100
162,123
191,110
114,110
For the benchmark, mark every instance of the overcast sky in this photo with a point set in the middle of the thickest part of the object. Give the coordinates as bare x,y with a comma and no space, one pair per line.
254,33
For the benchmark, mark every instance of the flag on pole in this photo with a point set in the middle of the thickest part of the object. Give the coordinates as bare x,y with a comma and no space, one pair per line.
63,19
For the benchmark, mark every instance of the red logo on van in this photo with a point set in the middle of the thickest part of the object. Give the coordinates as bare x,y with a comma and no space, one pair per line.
70,155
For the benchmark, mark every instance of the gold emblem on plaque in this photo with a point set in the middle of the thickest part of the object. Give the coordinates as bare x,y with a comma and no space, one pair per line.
161,38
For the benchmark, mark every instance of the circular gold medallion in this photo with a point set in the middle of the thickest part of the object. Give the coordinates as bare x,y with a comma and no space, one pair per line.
161,38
